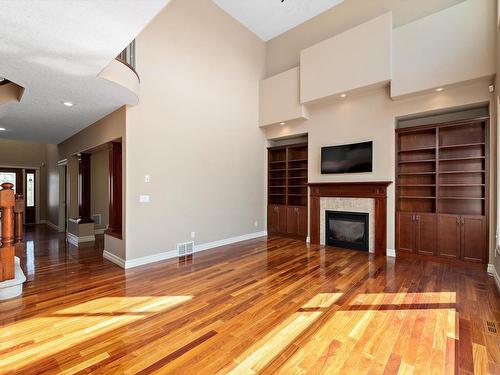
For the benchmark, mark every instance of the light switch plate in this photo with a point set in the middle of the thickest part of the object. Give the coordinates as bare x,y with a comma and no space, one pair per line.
144,199
147,178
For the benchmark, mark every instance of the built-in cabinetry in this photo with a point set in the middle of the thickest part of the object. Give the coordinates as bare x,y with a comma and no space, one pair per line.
287,190
442,190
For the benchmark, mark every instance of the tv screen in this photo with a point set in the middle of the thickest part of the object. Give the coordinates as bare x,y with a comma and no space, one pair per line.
353,158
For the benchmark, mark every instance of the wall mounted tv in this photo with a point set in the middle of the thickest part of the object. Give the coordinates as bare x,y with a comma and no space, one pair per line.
353,158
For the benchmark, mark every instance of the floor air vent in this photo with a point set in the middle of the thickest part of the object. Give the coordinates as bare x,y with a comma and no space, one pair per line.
186,248
492,328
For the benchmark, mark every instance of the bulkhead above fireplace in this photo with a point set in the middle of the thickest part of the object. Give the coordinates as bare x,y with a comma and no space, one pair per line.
349,230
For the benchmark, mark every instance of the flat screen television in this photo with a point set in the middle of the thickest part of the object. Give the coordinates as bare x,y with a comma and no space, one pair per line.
353,158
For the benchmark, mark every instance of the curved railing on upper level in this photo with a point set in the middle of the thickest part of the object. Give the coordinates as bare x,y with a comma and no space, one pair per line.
127,57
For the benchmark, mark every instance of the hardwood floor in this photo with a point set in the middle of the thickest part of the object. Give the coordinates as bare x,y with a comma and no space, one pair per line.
264,306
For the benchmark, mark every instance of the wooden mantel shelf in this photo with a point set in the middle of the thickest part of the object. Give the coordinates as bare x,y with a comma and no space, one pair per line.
363,189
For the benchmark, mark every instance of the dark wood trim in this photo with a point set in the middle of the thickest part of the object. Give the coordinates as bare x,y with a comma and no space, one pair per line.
376,190
84,188
115,190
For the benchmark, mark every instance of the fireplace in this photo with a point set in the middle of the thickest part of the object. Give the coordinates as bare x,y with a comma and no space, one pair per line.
349,230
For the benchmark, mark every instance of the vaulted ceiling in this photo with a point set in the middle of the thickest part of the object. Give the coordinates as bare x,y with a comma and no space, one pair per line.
270,18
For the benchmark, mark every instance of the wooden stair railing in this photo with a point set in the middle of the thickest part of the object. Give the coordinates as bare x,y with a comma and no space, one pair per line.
7,203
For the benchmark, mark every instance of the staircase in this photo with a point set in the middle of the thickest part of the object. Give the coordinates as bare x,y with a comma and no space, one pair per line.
11,274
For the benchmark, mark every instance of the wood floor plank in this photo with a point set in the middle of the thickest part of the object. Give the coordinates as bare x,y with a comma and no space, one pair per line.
265,306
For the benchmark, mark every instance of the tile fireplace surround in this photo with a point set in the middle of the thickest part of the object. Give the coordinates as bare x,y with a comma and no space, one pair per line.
351,195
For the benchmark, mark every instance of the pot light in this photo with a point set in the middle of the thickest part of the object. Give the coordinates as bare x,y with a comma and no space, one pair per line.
439,89
282,123
343,96
68,104
2,129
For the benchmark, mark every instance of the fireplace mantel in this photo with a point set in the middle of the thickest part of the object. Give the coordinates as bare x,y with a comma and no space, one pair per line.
376,190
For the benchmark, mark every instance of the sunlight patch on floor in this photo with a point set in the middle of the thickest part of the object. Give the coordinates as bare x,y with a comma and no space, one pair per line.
403,332
266,349
29,340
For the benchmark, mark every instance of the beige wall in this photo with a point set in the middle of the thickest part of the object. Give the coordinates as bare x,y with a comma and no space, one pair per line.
52,188
99,166
427,55
372,116
27,155
195,131
105,130
339,64
282,52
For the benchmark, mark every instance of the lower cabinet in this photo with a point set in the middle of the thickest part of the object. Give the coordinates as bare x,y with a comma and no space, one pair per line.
289,220
447,236
416,233
462,237
276,219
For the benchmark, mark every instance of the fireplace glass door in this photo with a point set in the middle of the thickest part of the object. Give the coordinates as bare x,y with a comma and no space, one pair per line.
348,230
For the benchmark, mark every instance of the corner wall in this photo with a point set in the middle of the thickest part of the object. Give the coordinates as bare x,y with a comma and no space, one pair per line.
195,131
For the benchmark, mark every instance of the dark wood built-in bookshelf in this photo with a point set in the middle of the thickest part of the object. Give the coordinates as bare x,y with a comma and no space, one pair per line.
287,190
442,190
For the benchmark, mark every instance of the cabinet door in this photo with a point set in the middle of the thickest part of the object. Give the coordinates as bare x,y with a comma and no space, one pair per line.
425,236
405,232
449,236
272,218
282,219
473,238
292,221
302,221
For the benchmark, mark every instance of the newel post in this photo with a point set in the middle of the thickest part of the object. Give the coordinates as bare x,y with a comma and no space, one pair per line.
7,202
19,218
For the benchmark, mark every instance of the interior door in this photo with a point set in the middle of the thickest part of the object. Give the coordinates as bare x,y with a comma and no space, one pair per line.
30,199
473,237
449,236
425,238
405,232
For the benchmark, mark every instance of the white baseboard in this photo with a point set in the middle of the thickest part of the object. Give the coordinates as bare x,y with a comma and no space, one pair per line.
75,240
391,253
308,239
493,272
113,258
173,253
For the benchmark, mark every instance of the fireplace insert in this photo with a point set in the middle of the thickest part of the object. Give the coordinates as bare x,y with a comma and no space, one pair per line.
348,230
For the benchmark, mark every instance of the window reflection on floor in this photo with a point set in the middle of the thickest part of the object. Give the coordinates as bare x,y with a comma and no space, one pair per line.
30,259
49,333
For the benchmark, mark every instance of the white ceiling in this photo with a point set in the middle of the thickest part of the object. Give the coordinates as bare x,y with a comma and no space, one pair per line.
56,49
270,18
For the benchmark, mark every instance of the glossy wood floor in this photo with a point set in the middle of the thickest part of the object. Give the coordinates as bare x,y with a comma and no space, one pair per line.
263,306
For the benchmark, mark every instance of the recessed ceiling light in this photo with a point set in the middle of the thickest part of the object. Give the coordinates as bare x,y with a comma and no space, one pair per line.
343,96
68,104
282,123
2,129
439,89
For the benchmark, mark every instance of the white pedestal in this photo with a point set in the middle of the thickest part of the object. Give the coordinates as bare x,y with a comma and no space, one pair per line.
13,288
